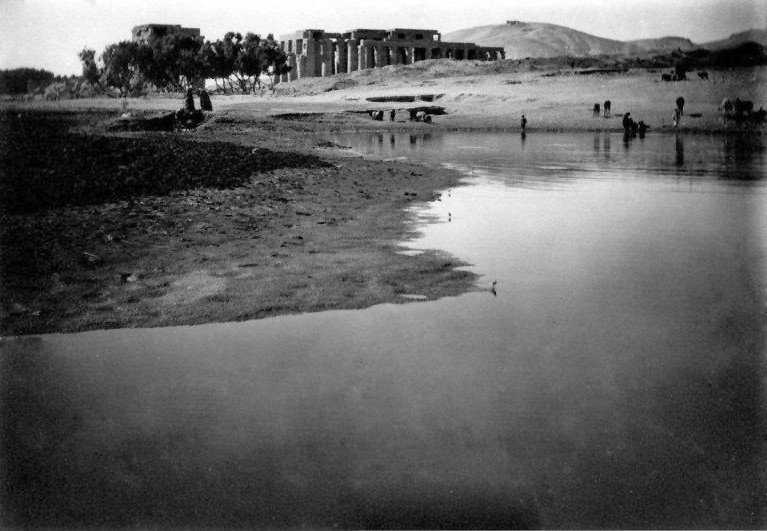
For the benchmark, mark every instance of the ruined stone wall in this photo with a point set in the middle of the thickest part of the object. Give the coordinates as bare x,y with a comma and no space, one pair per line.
149,32
316,53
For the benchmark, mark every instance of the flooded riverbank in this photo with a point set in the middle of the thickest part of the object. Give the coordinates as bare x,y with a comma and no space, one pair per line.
612,377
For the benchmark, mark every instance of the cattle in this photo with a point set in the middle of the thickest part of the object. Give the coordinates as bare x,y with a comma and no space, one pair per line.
412,113
703,75
667,77
759,117
377,115
596,110
421,116
680,105
606,107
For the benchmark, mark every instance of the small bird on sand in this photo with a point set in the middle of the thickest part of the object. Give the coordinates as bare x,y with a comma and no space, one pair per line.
492,288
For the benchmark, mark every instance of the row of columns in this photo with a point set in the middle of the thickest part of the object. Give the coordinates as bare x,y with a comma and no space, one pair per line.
324,57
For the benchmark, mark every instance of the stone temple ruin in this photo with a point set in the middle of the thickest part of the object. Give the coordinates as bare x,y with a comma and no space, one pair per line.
148,33
317,53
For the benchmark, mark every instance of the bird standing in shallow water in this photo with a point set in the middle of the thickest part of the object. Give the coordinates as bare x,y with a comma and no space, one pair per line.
492,288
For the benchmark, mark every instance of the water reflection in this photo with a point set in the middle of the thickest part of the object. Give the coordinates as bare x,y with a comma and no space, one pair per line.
556,156
608,373
679,145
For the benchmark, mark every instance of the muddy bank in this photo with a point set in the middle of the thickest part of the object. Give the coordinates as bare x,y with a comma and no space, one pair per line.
240,220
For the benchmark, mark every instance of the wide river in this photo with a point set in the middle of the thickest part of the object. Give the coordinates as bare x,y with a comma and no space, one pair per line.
613,376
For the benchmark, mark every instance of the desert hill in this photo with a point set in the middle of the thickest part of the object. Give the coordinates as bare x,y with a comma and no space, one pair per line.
537,39
758,36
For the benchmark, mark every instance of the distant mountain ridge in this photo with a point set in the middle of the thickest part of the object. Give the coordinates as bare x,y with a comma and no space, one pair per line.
538,39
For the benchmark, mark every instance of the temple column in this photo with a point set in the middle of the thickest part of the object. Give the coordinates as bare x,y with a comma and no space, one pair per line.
410,55
364,55
326,53
292,75
311,59
395,59
352,55
379,54
301,67
341,58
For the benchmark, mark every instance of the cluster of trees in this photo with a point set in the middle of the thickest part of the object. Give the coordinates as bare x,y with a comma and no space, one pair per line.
24,80
176,62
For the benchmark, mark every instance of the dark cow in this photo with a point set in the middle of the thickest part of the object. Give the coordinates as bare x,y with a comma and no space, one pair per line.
667,77
680,105
596,110
412,113
606,107
759,118
703,75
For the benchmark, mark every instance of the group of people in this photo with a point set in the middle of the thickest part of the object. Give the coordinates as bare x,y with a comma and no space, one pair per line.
632,128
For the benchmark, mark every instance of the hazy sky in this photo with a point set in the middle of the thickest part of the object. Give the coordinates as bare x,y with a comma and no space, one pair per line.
49,33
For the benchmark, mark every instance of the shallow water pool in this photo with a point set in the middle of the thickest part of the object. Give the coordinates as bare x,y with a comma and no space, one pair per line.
609,374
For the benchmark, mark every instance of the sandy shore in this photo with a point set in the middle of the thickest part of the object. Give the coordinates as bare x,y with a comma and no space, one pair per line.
298,225
304,227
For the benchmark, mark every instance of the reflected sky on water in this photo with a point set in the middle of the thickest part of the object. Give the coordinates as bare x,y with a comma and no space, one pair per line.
613,378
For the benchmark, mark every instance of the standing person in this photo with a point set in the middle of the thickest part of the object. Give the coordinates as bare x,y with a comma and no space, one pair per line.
189,101
523,122
391,115
676,118
205,103
627,121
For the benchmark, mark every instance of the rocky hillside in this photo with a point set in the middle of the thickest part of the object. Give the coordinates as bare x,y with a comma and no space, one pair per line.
537,39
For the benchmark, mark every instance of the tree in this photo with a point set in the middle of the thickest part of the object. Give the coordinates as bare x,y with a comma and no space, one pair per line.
91,71
274,60
120,65
21,80
249,62
218,59
176,62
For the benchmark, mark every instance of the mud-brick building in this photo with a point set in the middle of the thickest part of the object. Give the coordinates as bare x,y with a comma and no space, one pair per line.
317,53
147,33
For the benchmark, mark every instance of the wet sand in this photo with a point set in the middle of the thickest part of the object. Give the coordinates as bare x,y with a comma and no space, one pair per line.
252,220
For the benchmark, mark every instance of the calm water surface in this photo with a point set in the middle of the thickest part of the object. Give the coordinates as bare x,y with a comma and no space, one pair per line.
614,378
